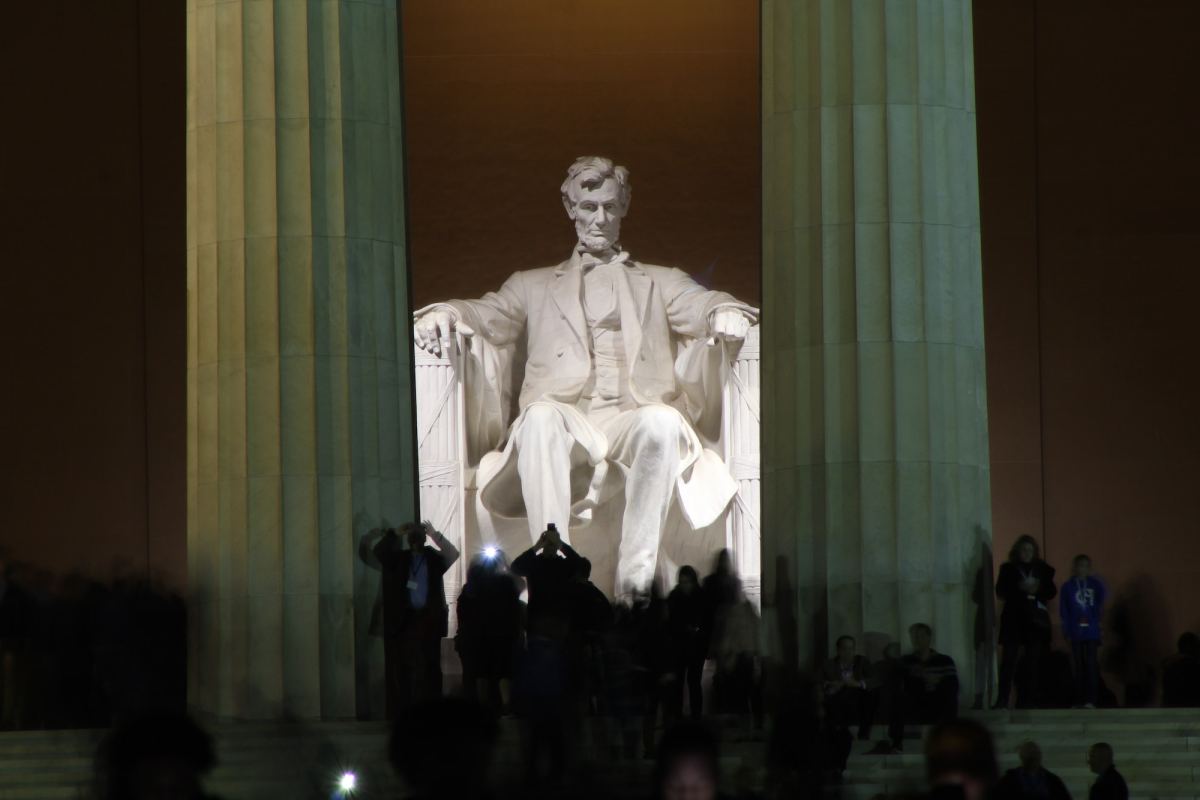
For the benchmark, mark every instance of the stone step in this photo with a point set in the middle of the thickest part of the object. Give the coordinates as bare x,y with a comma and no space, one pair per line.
1158,750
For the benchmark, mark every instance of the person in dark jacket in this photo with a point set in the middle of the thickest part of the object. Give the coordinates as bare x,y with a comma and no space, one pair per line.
548,567
849,698
1109,785
415,614
1081,610
928,692
1030,781
689,645
1181,674
489,629
1025,585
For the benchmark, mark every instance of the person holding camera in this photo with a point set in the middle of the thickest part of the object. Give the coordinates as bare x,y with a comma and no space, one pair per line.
548,568
415,614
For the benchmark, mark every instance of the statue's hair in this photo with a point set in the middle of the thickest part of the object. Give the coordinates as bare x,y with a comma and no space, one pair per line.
591,172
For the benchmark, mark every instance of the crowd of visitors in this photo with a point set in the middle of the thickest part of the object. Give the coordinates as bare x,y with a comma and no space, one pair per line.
78,653
540,643
576,668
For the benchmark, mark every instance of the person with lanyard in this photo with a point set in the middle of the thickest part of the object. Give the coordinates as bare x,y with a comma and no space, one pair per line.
1025,585
415,614
1081,610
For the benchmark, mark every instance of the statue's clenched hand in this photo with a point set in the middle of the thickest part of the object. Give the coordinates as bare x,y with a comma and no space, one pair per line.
729,324
433,330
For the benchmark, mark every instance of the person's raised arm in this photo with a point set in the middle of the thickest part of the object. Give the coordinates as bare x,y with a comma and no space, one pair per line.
449,552
569,553
523,564
385,548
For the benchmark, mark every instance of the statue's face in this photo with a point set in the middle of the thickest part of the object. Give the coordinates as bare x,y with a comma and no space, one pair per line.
597,213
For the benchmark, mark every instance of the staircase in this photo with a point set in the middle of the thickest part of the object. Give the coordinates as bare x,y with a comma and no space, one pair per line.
1158,751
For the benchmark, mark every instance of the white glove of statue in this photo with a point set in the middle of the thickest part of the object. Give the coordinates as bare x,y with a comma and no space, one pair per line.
434,330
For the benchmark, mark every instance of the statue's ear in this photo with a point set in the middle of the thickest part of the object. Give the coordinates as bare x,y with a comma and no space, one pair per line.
569,206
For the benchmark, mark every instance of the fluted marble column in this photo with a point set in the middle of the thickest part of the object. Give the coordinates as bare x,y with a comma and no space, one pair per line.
299,418
876,488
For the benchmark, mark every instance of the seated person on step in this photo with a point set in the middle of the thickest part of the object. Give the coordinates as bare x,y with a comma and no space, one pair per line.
927,692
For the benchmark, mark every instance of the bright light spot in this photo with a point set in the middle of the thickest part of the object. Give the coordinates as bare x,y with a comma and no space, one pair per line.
490,552
348,782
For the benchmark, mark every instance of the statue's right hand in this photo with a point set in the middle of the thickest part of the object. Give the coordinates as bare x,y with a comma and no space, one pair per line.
433,330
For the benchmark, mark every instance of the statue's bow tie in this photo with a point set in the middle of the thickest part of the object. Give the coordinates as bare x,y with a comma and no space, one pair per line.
589,261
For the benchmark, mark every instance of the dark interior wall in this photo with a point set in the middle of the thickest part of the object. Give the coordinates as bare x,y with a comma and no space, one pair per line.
93,286
502,95
1091,235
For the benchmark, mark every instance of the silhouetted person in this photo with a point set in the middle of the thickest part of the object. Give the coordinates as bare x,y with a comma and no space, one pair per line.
1031,780
928,690
735,649
848,699
547,568
653,664
591,616
688,765
960,760
415,615
732,631
798,753
18,626
1081,610
1109,785
1181,674
157,757
443,749
984,599
1026,585
689,645
489,629
541,698
722,588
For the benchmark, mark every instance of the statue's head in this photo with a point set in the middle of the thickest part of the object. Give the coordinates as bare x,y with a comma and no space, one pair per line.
596,197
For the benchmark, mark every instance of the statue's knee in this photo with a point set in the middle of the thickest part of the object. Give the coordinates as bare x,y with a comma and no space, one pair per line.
658,425
542,419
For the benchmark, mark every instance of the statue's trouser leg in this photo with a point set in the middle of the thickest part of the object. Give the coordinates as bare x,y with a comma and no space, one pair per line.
651,442
546,454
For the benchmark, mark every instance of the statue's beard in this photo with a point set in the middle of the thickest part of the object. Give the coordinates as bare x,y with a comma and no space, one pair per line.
597,242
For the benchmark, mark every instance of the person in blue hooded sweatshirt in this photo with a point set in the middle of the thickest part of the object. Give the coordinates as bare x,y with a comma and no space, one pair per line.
1081,609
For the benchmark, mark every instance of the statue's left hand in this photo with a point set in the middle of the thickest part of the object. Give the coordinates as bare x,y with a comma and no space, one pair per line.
730,324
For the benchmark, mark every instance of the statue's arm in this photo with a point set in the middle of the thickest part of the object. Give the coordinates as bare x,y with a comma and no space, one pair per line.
693,310
498,316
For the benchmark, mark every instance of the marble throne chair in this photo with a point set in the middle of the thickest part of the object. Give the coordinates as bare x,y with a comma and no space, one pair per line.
449,449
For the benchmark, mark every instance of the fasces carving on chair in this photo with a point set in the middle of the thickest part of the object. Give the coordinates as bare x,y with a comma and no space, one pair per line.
592,395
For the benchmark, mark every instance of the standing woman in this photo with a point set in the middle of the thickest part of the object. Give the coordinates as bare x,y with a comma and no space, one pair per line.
1025,585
